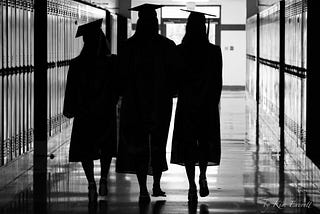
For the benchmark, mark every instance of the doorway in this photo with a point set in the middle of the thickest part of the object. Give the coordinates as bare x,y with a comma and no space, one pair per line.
173,22
174,29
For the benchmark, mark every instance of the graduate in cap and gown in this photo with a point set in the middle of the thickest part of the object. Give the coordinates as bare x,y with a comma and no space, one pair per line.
147,76
196,135
90,98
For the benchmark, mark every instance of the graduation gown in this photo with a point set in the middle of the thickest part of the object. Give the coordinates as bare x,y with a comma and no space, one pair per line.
147,74
90,98
197,124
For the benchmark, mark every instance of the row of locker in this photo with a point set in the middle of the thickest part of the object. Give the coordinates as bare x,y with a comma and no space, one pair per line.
16,83
268,59
296,33
251,47
64,17
269,33
17,67
295,72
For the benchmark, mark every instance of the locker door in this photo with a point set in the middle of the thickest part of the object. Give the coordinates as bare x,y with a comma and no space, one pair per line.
1,36
49,39
1,84
19,72
1,117
4,79
30,64
23,63
32,77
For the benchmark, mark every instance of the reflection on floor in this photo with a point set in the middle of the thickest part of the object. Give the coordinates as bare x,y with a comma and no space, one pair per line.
249,180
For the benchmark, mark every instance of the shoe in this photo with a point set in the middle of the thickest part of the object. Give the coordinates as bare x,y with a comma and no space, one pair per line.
192,195
204,190
92,194
103,187
144,198
157,192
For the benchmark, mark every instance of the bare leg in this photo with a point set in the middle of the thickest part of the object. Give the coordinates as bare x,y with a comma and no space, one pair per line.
142,179
89,171
156,179
204,190
156,184
190,170
203,169
105,166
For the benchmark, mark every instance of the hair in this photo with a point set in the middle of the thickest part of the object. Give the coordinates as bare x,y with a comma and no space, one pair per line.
95,44
195,30
147,26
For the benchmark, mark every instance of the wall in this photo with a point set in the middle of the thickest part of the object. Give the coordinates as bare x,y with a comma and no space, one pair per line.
233,19
233,42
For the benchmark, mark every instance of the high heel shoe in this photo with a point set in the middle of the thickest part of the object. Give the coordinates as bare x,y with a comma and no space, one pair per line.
92,194
103,187
204,190
144,198
192,195
157,192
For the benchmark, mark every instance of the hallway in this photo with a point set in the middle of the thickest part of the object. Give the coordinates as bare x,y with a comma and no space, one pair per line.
249,180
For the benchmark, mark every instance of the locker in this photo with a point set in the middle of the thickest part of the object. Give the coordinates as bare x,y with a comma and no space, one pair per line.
1,120
16,80
1,86
9,35
4,81
32,36
1,42
10,114
4,34
24,64
31,109
49,50
5,117
13,36
31,77
17,34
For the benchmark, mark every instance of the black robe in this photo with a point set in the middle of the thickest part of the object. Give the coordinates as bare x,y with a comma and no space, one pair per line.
147,74
196,132
90,98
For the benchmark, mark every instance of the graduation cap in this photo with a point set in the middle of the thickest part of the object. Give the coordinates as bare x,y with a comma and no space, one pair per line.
200,14
89,27
146,10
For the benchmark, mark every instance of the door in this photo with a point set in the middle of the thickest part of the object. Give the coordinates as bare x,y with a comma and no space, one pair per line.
174,29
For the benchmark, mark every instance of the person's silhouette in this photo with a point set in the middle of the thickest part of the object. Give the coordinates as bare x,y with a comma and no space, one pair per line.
147,74
91,101
196,136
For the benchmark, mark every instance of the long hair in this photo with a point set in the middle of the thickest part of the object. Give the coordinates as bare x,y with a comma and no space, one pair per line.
195,31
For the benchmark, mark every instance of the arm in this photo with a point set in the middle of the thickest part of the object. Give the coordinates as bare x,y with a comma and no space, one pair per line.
70,94
219,73
175,65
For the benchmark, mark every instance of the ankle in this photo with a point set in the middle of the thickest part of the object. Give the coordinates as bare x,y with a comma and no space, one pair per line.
92,184
202,177
103,179
156,186
192,186
144,190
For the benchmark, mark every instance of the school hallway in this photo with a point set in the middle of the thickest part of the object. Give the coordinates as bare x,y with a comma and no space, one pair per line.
250,179
269,119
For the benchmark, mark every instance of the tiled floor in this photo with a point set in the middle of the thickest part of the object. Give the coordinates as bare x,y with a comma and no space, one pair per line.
249,180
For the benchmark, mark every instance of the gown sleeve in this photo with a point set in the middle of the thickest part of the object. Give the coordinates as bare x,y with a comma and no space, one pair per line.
69,107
